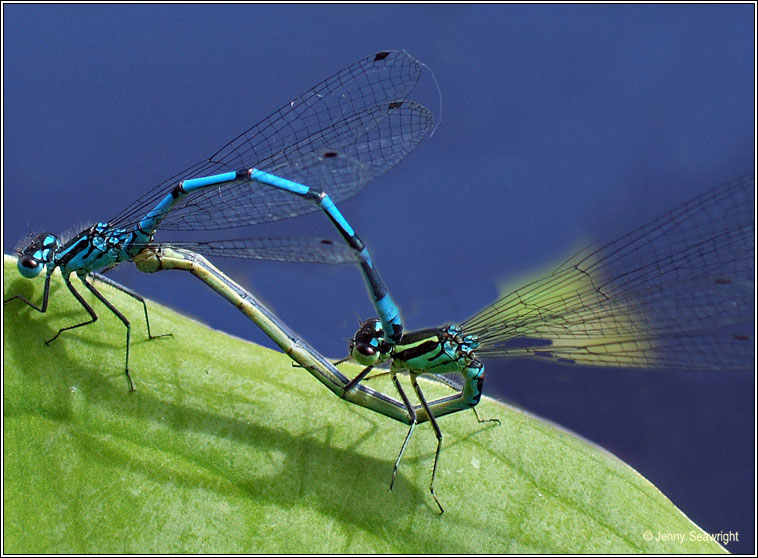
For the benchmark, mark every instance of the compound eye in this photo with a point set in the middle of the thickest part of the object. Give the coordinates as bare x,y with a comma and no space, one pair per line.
365,349
29,266
364,353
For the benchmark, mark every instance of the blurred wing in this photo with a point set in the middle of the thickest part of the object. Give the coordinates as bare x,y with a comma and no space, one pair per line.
677,292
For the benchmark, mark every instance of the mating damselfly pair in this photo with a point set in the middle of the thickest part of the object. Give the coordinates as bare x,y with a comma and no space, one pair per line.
676,293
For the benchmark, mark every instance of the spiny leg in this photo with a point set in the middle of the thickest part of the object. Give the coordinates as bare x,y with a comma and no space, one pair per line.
333,363
412,413
437,432
45,296
342,360
379,375
355,381
481,420
134,295
118,314
92,314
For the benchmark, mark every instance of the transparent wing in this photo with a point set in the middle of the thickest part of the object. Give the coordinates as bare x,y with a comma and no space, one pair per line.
312,250
247,202
340,167
360,112
348,96
677,292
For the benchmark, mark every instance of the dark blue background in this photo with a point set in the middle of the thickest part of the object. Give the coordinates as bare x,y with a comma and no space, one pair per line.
560,124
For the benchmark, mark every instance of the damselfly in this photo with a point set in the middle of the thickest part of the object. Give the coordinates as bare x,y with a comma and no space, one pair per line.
676,293
335,137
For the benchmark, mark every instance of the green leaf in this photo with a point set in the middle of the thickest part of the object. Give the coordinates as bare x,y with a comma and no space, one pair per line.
225,447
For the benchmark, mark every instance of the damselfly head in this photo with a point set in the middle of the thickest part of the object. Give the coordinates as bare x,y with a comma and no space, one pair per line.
37,254
366,346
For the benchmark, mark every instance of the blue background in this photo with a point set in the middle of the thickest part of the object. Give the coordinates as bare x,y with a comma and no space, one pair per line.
559,124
